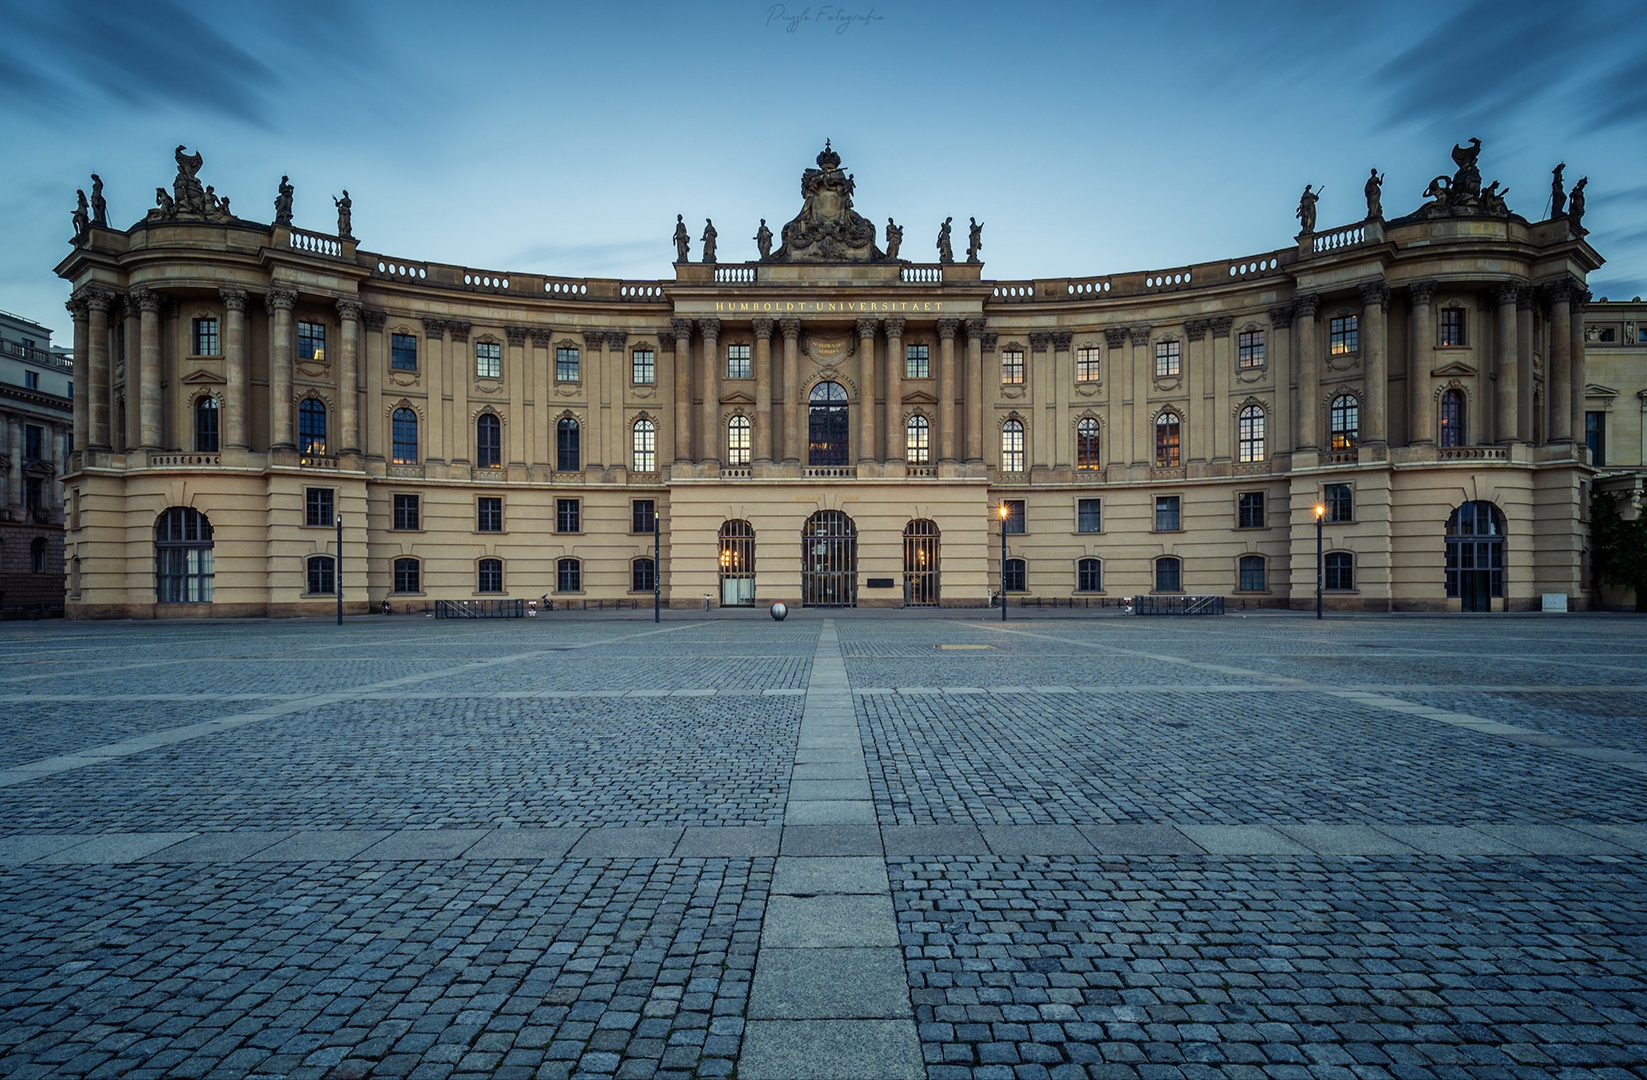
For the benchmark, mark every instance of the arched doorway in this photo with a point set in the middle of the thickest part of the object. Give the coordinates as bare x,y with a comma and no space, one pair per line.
182,557
1475,555
827,425
737,564
829,561
921,563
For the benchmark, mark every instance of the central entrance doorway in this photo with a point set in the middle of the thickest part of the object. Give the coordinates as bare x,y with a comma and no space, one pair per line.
1475,555
921,563
829,561
737,564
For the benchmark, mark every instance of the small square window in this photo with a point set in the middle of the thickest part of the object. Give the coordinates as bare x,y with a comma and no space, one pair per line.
643,516
1168,516
31,380
489,513
1168,359
402,352
406,514
1249,510
205,337
1344,334
737,361
1012,367
566,364
1452,326
1339,501
1089,516
1249,346
568,516
1086,364
488,360
311,341
1015,515
318,509
642,367
917,362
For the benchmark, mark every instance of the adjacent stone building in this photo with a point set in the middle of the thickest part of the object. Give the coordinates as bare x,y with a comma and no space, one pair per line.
832,423
35,441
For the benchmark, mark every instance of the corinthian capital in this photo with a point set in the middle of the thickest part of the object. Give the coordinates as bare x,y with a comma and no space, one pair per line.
867,328
1375,293
710,328
234,299
895,328
1420,292
374,320
434,329
790,328
348,310
947,328
763,328
279,300
145,300
1305,306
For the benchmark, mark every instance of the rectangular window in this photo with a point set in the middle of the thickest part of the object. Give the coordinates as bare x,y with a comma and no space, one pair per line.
402,352
1089,516
406,513
1012,575
34,438
642,367
1344,334
321,576
643,576
917,362
1089,576
1595,436
568,516
1249,349
1168,516
1012,367
488,360
1168,359
737,361
408,573
569,576
489,513
1452,326
311,341
1252,573
1015,515
1249,510
642,514
566,364
489,576
34,496
1086,364
205,337
317,507
1339,501
31,380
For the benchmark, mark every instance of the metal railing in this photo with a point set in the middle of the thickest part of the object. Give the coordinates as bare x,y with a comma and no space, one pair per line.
1177,605
480,609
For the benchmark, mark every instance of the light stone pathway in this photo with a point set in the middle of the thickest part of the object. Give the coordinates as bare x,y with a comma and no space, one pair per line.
830,998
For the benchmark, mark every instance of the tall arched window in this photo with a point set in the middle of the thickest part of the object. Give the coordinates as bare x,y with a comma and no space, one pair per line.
321,575
918,441
1344,422
568,445
205,425
737,441
1475,554
826,425
489,576
1452,418
182,557
404,437
488,441
1167,436
644,446
1086,444
737,563
1250,437
311,427
1012,446
37,555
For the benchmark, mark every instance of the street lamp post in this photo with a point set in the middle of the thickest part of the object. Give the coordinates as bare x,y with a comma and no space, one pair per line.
657,566
338,574
1320,516
1005,511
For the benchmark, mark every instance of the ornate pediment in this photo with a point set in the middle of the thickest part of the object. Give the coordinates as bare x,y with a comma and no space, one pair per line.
827,229
737,397
1453,369
202,377
1597,390
920,397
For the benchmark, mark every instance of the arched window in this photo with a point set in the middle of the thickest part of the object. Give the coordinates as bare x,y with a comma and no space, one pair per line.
1340,571
922,551
408,576
827,425
829,560
205,425
643,575
1166,440
1012,446
1475,554
1251,574
1250,436
737,441
321,572
918,441
568,576
1344,422
488,441
1169,574
37,555
404,437
1086,444
568,445
644,446
737,563
1452,418
489,576
1089,575
182,557
1013,574
311,427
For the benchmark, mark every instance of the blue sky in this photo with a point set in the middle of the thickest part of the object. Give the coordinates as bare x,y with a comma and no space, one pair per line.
564,138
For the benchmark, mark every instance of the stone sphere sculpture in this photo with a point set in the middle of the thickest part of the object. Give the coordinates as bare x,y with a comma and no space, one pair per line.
779,612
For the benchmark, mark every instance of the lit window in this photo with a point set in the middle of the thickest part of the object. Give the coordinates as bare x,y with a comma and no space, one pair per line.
1168,359
1452,326
1249,510
1249,349
1344,422
321,574
566,364
1166,440
1252,573
1452,418
1086,363
404,450
317,508
918,440
642,367
311,427
1169,574
406,512
1089,576
737,361
488,441
1012,367
644,446
1012,446
311,341
737,441
489,576
1086,444
1168,513
1340,571
488,360
205,337
1339,501
489,513
1250,438
402,352
917,362
1344,334
1089,516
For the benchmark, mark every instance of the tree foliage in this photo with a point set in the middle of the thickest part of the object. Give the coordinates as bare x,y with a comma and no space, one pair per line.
1619,546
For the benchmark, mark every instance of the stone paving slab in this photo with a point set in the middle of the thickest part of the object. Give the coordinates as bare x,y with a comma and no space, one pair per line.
627,843
831,1050
1340,839
1448,840
728,841
320,846
524,844
115,848
804,812
425,844
829,984
27,849
841,874
220,847
1139,839
1549,839
933,840
829,922
1241,840
831,840
1035,840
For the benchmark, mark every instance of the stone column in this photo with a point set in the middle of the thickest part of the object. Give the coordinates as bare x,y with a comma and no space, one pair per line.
972,390
348,377
895,433
1560,361
763,390
1196,377
237,397
1119,421
1218,384
710,437
589,443
372,367
1143,377
82,366
1278,359
946,388
125,417
14,468
543,389
868,331
279,304
461,369
1506,361
615,452
434,374
1524,361
1308,361
1575,361
794,439
683,390
97,433
1421,403
514,375
54,486
1375,423
1058,394
1035,378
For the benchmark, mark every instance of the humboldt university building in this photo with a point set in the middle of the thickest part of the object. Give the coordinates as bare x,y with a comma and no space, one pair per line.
831,424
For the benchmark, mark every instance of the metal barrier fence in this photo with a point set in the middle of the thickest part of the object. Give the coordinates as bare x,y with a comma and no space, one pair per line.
480,609
1177,605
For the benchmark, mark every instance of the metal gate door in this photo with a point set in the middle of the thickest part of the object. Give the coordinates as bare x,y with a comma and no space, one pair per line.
1475,555
737,564
921,563
829,561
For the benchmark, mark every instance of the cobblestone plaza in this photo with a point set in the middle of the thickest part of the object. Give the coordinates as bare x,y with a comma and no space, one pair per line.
849,846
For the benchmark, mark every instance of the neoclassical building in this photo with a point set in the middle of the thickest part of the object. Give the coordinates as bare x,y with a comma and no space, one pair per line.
830,423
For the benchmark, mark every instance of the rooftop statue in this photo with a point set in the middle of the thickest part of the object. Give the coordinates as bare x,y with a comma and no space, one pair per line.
763,241
283,202
1462,193
188,199
975,241
1575,205
708,238
1558,198
1374,190
345,212
81,216
894,238
827,229
99,205
1306,210
946,252
683,240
